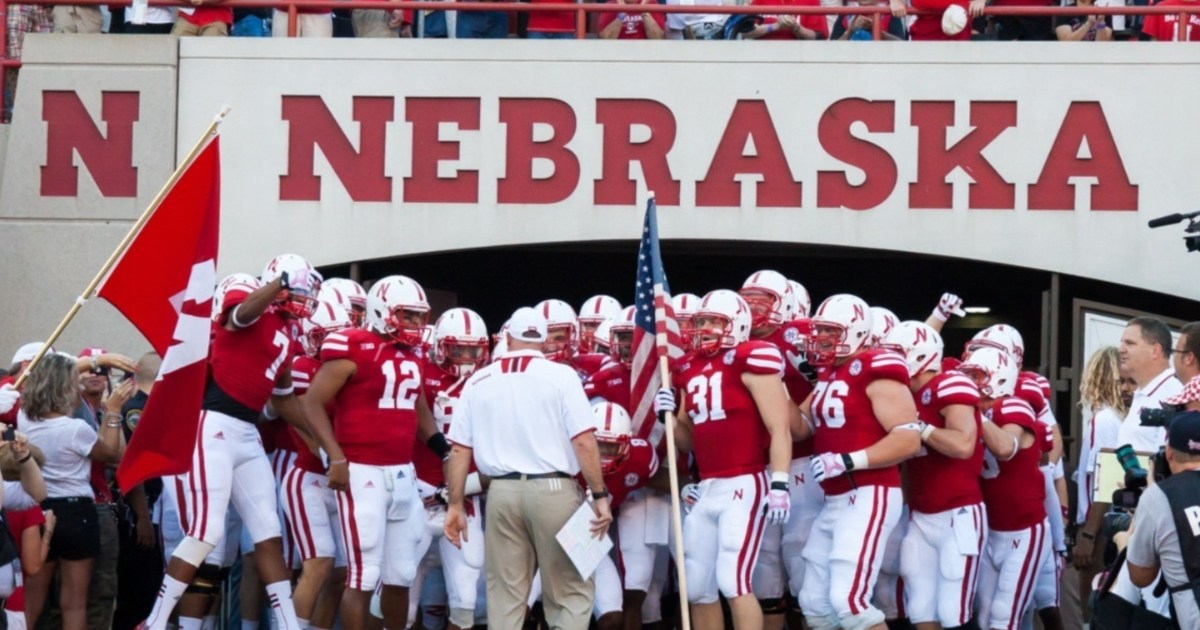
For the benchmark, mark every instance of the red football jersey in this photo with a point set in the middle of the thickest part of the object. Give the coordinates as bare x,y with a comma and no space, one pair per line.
937,482
376,409
790,341
1029,390
303,370
634,472
1015,491
816,23
588,364
846,421
442,390
246,361
613,385
728,434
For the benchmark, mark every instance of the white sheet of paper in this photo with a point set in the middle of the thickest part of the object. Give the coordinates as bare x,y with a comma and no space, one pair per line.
585,550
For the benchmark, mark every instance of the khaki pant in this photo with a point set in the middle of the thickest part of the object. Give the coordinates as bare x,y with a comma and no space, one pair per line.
522,519
307,24
372,23
184,28
72,19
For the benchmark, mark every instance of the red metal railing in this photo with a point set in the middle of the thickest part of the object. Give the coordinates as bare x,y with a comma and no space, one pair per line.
583,10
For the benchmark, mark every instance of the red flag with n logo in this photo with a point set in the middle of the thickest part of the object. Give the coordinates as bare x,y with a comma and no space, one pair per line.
163,284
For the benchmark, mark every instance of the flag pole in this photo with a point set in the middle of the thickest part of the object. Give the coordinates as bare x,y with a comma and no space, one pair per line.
124,244
685,617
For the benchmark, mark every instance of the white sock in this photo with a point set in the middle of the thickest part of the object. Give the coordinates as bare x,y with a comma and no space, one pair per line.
168,595
304,623
190,623
248,624
279,596
210,623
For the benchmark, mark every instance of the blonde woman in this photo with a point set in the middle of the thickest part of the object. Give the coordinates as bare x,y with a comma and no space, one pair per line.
1103,412
48,399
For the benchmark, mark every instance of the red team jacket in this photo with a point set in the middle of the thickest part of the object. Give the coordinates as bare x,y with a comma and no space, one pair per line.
845,419
728,435
937,482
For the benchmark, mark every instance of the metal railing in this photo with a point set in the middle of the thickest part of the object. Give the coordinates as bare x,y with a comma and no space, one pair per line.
582,11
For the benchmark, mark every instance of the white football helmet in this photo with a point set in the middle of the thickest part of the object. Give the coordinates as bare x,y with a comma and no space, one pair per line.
841,327
882,323
562,330
593,313
1000,336
684,305
769,296
329,317
299,297
397,308
460,341
243,280
722,320
920,345
801,299
349,294
993,370
602,339
614,429
620,334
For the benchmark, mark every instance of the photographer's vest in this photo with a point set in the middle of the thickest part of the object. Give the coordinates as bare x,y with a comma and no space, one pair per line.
1183,495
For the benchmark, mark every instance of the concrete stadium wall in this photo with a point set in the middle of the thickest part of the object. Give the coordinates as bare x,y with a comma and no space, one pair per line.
1045,156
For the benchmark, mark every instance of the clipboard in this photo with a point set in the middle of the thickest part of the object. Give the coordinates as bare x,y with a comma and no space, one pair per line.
1110,477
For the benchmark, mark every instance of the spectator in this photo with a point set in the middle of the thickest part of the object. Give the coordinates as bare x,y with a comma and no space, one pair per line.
1145,348
156,21
24,488
1100,398
379,23
1185,357
21,19
1165,27
550,24
634,24
859,26
310,22
929,27
139,568
707,26
251,22
203,20
50,394
790,26
76,19
1018,27
1074,28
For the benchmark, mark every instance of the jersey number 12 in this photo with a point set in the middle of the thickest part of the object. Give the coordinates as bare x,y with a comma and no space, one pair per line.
404,394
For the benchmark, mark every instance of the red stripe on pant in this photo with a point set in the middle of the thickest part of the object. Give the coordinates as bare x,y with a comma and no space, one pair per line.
303,532
883,493
200,496
967,597
354,578
855,608
291,506
746,539
1029,571
758,525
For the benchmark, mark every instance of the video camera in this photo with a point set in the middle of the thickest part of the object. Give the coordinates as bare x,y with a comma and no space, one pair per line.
1161,417
1136,477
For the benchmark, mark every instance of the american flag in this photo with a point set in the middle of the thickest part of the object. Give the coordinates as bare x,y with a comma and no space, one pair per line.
657,333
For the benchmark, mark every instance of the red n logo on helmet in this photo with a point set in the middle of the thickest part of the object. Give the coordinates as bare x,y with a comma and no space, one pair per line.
922,335
858,312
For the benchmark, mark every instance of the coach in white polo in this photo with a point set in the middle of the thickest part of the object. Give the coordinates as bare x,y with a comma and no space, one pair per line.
528,425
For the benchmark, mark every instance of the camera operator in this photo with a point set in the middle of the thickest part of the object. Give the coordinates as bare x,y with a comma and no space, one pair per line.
1145,352
1166,530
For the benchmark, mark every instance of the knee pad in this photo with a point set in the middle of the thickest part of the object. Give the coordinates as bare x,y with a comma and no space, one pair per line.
193,551
462,617
773,606
207,581
863,620
825,622
376,606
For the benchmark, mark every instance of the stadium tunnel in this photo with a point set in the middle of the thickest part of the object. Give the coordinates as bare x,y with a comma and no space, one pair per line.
1044,306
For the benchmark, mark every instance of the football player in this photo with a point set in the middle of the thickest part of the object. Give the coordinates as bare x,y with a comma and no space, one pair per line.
736,426
372,377
562,339
773,305
310,505
1013,491
684,306
802,302
882,323
348,294
595,311
460,348
602,338
254,341
939,554
865,425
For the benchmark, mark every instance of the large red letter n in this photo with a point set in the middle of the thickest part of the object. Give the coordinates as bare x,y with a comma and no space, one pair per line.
70,130
311,125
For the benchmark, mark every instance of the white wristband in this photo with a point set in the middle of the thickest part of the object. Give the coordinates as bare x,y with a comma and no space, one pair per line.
926,432
473,485
283,391
859,458
781,477
269,412
939,315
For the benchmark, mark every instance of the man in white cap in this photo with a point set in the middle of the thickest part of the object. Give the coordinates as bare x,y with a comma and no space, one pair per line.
528,426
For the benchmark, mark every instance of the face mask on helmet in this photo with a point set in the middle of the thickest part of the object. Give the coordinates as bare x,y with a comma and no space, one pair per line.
296,303
407,326
358,316
622,347
560,343
587,335
710,333
462,357
612,453
764,308
825,343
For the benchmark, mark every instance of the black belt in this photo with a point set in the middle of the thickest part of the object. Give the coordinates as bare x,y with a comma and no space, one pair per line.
61,500
524,477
